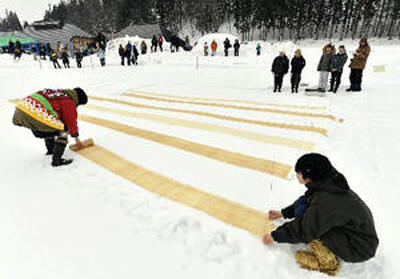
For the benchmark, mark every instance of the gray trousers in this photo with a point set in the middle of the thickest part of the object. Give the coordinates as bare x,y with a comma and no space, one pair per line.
323,79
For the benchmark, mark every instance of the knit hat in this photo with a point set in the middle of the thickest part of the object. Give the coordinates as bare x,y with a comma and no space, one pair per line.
82,97
314,166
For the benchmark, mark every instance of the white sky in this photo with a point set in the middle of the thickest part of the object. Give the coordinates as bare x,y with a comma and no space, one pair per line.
29,10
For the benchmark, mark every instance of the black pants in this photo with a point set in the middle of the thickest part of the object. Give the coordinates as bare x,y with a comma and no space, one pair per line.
56,64
102,62
128,58
336,78
295,81
226,52
356,79
236,52
43,135
66,64
278,81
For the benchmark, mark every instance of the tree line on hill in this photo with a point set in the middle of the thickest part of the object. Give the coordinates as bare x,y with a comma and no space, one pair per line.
253,19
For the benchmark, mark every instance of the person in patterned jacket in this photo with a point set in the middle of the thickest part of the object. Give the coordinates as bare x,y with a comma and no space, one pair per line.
52,115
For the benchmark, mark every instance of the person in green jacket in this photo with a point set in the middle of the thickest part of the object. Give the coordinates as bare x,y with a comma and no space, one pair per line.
329,217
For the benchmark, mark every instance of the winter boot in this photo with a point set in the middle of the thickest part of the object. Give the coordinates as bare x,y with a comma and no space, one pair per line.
57,156
351,88
49,145
336,88
328,262
357,87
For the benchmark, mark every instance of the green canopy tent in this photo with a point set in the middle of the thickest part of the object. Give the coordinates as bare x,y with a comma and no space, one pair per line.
26,42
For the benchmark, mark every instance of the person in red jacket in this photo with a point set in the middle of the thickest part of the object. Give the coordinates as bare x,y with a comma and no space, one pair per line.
52,115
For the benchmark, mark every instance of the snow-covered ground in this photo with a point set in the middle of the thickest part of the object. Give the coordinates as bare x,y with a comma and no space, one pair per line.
82,221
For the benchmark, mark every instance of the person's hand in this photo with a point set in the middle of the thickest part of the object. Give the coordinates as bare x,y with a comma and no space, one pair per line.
78,143
334,70
274,214
267,239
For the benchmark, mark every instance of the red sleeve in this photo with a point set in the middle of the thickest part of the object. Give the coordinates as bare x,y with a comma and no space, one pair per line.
69,116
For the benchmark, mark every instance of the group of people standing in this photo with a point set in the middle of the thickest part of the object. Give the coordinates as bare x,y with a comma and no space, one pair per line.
157,42
15,49
331,63
130,53
61,52
227,46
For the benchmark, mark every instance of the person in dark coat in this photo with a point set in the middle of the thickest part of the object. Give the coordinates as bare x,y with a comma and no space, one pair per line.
330,218
52,115
11,47
65,58
280,67
18,45
128,53
160,42
298,63
154,44
227,46
358,64
143,48
121,52
17,53
338,62
78,58
34,52
54,59
42,51
135,55
236,47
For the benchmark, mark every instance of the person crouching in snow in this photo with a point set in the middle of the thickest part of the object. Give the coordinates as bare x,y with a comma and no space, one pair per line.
52,115
280,67
330,218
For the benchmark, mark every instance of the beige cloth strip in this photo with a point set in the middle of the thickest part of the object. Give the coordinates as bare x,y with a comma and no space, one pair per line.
231,101
318,130
235,214
303,145
234,158
270,110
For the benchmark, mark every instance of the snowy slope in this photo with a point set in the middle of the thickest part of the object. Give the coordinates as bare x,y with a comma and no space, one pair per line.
82,221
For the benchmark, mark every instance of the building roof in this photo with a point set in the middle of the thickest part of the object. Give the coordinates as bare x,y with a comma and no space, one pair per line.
145,31
54,35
